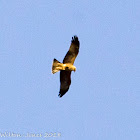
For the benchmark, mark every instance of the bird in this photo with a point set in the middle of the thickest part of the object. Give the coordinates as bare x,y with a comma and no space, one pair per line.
67,66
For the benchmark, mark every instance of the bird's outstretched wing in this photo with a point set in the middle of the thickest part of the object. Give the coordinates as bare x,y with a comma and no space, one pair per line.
65,81
73,51
65,76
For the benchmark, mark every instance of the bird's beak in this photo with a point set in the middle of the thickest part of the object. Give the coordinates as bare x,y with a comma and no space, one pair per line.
74,69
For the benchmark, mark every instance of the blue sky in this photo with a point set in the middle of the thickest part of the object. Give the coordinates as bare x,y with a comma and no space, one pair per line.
103,100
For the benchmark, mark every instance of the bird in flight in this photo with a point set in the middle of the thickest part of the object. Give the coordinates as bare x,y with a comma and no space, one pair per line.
67,66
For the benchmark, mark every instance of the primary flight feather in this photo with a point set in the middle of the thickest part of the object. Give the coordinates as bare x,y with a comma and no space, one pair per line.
67,66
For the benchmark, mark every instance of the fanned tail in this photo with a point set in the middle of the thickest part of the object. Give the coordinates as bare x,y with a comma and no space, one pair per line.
56,66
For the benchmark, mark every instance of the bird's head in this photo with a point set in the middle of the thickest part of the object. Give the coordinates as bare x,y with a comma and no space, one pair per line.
73,68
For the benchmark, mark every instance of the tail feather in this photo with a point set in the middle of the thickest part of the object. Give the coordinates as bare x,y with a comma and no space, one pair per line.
55,66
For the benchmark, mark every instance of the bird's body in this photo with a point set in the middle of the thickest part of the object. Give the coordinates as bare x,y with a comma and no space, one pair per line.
57,66
67,66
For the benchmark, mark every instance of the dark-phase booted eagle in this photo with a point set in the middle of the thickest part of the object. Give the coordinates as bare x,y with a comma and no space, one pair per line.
67,66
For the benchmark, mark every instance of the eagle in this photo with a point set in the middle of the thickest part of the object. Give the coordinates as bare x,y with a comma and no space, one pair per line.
67,66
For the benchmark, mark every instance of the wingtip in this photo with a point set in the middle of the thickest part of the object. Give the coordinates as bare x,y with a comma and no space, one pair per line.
60,95
75,37
75,40
62,92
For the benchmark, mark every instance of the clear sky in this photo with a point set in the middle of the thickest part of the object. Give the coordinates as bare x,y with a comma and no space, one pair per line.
103,102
